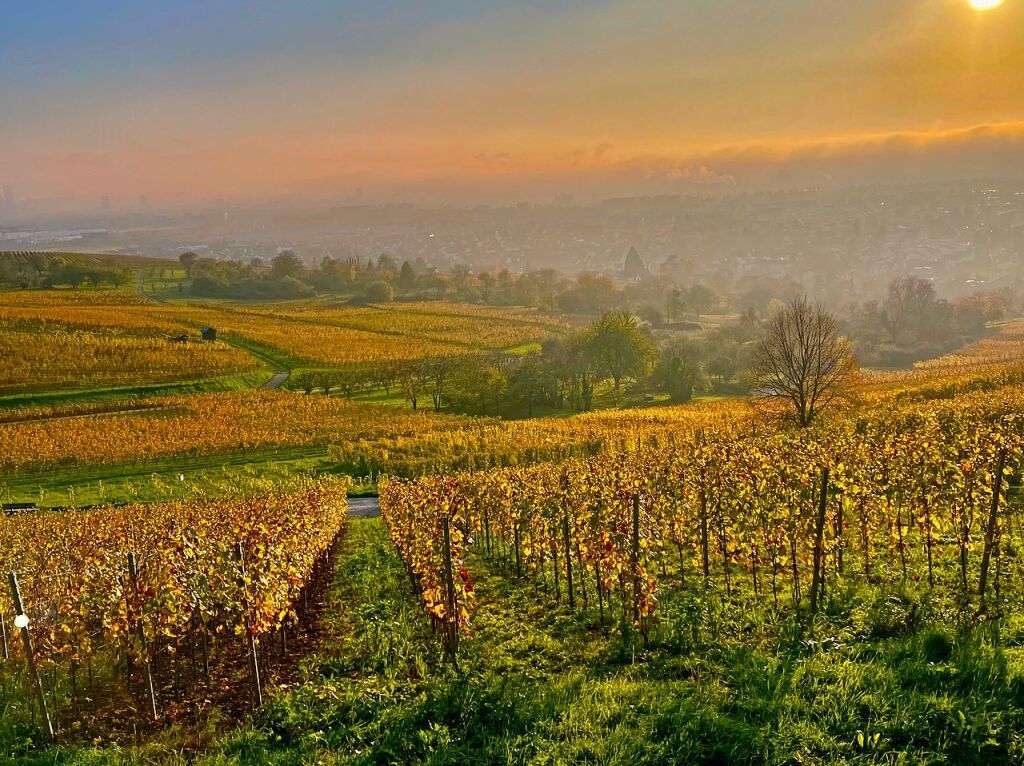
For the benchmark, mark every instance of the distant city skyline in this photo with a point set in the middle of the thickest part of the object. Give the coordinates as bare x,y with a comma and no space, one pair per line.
484,101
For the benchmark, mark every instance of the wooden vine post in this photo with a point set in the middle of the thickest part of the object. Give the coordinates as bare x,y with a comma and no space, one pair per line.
819,541
3,633
21,621
993,522
147,666
451,604
255,689
636,558
568,559
567,542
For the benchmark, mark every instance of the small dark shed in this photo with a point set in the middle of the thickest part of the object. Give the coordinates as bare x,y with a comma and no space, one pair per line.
208,333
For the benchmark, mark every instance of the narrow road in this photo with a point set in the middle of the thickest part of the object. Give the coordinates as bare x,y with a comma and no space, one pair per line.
277,381
363,507
140,288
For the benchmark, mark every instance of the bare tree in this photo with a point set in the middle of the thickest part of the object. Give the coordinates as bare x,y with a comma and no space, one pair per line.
802,359
438,373
413,378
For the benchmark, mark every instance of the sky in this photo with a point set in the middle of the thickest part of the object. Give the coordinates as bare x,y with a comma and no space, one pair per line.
463,100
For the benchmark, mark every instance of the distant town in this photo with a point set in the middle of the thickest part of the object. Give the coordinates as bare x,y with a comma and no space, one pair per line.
831,243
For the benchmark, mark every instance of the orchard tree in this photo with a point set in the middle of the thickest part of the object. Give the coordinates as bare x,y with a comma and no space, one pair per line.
678,371
802,359
187,261
700,299
286,264
619,347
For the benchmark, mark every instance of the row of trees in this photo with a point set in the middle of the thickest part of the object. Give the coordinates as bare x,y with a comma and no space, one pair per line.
799,356
286,275
48,273
913,323
617,352
383,279
562,374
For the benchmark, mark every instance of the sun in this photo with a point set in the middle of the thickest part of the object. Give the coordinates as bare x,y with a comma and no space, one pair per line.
985,5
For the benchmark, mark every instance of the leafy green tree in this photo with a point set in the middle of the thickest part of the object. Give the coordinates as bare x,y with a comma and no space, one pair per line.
678,372
569,364
618,346
187,261
379,292
286,264
531,383
407,277
700,299
307,382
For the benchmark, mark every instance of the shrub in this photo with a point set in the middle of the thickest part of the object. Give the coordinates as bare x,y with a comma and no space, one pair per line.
936,646
379,292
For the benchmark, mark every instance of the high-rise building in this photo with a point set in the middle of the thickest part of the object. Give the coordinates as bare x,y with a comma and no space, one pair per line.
7,199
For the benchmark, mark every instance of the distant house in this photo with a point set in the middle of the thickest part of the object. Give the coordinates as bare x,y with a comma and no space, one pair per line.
208,333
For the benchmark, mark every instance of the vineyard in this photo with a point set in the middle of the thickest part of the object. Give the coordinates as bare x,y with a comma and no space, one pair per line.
363,439
309,334
872,499
44,260
134,610
81,435
469,326
530,579
45,360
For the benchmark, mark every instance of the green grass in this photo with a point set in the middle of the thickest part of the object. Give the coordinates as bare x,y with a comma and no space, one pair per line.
157,480
538,685
524,349
240,382
277,360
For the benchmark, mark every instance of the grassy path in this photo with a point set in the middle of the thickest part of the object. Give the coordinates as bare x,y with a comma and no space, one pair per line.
158,479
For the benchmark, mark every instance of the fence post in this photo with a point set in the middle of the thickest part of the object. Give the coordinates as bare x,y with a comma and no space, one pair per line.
255,690
133,572
21,621
993,520
819,541
452,643
636,557
568,559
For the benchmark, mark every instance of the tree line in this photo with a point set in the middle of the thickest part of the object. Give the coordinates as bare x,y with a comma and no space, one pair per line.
37,271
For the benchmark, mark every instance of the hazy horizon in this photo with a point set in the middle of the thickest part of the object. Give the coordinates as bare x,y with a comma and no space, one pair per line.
464,102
